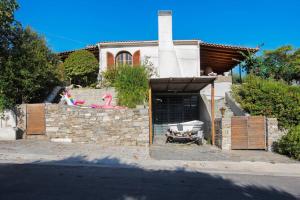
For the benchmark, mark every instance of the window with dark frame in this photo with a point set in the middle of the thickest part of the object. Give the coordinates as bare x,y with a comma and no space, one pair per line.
123,58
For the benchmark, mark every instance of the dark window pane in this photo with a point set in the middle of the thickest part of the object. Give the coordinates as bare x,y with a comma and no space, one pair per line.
175,109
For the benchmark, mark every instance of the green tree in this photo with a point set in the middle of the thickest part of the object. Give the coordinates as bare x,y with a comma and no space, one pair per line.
27,64
81,67
8,26
282,63
34,67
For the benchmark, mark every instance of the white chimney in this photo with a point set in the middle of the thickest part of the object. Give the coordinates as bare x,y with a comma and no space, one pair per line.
168,63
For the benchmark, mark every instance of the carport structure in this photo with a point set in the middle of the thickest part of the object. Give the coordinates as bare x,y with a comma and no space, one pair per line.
175,100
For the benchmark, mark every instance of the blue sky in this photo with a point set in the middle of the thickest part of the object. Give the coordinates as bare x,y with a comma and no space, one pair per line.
73,24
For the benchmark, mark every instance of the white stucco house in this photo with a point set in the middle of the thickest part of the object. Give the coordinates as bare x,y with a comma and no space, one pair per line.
187,70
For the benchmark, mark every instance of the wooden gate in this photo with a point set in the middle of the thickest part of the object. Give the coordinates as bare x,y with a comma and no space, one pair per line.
248,132
35,119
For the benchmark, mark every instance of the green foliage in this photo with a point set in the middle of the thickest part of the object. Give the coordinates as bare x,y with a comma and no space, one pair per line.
27,65
29,73
81,67
8,26
237,79
131,84
109,76
270,98
60,72
280,64
289,144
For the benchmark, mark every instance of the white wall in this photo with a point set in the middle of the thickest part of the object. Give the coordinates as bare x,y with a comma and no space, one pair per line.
151,51
187,55
220,90
8,119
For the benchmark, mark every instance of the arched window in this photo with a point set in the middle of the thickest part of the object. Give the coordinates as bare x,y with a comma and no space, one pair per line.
123,58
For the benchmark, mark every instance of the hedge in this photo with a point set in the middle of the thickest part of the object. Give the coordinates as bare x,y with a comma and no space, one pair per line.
289,144
270,98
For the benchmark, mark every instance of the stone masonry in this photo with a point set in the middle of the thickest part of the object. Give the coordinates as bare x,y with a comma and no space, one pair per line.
128,127
223,133
274,134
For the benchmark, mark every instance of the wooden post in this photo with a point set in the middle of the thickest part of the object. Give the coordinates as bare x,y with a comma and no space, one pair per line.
212,103
150,115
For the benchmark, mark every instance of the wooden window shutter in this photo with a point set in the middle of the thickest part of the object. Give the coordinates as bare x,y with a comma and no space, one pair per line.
110,60
136,58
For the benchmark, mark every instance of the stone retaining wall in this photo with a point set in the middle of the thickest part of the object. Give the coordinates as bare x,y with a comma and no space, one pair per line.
107,127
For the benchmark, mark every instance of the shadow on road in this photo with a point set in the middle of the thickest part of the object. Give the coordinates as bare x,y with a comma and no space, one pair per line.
45,181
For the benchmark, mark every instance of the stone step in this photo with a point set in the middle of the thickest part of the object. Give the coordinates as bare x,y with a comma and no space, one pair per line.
36,137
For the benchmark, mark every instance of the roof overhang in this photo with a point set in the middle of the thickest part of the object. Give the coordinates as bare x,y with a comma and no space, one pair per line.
184,84
222,58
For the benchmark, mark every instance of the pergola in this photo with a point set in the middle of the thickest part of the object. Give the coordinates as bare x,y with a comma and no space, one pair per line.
183,84
222,58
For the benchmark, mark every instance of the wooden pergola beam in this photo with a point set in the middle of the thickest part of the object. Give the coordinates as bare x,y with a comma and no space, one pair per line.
216,62
223,50
221,57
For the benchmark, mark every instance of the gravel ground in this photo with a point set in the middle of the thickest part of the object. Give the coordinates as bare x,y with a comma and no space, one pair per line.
41,147
159,152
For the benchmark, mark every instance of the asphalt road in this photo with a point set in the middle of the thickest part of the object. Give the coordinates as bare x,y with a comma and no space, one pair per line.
31,181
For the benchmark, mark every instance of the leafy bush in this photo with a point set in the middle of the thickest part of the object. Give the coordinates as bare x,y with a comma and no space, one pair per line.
236,79
289,144
270,98
81,67
131,84
109,77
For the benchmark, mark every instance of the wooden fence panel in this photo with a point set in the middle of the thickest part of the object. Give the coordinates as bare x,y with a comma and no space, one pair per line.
256,132
248,132
35,119
239,136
